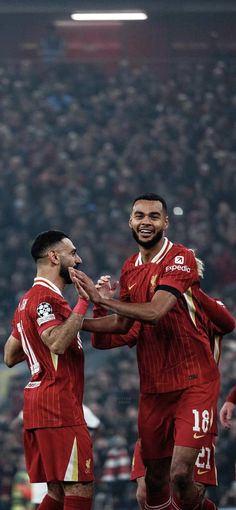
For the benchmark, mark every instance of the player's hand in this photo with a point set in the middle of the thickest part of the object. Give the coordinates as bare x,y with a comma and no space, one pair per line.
105,288
226,414
77,285
84,284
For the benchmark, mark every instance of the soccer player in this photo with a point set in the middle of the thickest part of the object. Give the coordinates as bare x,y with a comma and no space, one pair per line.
219,322
179,377
226,411
46,334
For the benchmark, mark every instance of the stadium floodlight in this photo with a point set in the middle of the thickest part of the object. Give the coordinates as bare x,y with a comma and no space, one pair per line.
109,16
178,211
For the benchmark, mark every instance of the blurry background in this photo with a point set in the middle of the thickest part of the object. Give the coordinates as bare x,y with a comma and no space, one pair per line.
91,115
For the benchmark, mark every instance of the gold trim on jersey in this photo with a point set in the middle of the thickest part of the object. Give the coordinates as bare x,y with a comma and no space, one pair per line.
54,359
217,348
71,474
190,304
167,245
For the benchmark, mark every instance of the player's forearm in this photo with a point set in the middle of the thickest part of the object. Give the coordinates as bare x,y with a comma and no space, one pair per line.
13,359
107,324
102,341
140,311
13,352
60,337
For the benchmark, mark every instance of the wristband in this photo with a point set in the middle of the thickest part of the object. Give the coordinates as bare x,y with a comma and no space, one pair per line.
81,306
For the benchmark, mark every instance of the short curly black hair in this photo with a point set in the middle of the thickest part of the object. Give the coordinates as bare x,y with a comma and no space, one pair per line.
44,241
152,197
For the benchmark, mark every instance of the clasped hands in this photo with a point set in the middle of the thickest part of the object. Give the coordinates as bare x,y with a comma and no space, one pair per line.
103,289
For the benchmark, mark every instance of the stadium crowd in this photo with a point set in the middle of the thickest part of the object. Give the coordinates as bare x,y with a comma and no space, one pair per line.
77,145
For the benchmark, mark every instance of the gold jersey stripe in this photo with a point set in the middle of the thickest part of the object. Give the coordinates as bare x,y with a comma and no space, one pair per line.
217,348
71,474
54,359
190,304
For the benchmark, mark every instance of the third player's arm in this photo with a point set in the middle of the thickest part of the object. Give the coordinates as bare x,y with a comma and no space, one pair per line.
217,313
108,324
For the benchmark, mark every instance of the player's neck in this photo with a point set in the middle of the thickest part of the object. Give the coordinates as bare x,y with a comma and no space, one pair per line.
52,277
148,254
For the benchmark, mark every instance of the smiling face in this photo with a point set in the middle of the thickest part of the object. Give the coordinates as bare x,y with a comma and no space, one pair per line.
148,222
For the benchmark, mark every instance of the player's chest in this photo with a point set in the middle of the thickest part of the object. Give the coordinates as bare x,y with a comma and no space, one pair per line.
142,282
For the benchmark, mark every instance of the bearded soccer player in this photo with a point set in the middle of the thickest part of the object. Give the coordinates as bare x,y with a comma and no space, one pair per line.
219,322
46,334
179,378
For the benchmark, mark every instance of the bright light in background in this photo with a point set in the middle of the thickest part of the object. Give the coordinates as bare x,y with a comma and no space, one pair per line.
109,16
178,211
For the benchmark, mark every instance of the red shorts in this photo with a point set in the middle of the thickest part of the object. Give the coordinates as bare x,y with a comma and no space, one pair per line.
204,472
59,454
181,418
137,468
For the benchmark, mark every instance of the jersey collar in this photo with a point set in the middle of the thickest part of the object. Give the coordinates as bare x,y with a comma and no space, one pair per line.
46,283
159,256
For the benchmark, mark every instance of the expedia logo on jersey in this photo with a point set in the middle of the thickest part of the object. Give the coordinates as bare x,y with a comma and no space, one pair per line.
44,312
179,259
178,265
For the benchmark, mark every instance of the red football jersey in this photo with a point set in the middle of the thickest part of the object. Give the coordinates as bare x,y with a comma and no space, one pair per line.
231,397
175,353
53,397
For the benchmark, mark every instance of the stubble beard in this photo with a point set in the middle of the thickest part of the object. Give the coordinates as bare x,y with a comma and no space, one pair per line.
65,275
148,244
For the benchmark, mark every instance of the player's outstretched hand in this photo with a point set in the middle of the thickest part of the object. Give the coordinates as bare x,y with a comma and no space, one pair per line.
84,284
105,287
77,285
226,414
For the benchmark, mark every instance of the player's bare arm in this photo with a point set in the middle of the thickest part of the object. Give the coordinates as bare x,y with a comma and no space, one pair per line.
13,352
162,302
58,338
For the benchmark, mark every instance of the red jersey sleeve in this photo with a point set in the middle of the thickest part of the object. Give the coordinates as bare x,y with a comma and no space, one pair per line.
15,331
218,314
179,273
231,397
51,311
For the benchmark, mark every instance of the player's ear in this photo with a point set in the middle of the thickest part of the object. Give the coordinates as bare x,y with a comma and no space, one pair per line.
53,257
130,222
166,222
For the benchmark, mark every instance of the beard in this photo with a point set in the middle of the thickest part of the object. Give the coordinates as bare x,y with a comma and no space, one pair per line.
148,244
65,275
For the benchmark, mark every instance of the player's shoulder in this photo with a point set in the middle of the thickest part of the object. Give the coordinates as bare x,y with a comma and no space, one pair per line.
182,252
43,296
129,263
